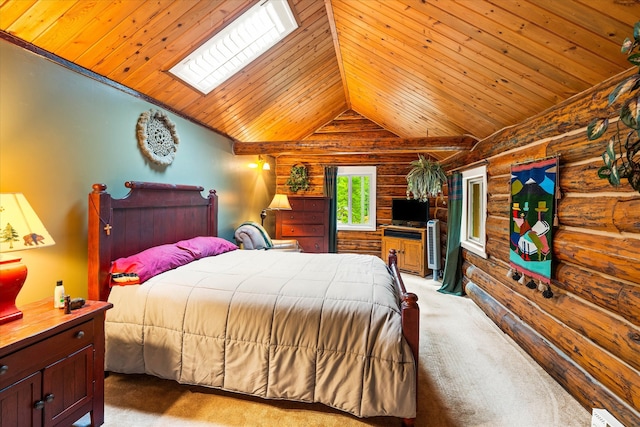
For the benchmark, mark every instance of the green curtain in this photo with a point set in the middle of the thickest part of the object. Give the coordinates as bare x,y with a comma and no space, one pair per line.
452,280
330,188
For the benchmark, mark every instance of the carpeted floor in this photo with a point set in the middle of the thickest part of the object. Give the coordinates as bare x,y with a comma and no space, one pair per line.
471,375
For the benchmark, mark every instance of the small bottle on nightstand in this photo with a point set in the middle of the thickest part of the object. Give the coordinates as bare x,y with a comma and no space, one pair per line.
58,295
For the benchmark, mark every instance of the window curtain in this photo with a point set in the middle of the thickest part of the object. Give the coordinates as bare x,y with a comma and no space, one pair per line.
452,280
330,189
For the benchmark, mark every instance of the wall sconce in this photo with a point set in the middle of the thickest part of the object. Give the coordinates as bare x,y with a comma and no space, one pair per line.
280,202
20,229
261,164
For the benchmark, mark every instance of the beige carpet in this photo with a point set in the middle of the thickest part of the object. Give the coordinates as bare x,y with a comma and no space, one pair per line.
471,375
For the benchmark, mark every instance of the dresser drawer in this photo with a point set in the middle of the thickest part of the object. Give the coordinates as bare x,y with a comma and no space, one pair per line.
293,217
35,357
294,230
297,204
315,205
308,204
313,244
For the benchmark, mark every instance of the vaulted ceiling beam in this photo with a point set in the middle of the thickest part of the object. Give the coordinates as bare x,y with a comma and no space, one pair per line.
350,146
336,44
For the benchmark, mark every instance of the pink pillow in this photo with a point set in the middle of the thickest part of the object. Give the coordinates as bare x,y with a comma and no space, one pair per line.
151,262
205,246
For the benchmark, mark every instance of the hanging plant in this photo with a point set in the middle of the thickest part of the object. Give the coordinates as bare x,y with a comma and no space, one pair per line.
425,179
622,154
298,178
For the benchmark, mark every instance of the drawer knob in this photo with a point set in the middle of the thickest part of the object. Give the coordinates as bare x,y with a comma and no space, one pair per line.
48,398
4,369
80,335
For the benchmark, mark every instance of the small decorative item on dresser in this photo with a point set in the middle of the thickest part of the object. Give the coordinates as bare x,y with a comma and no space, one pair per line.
58,295
76,303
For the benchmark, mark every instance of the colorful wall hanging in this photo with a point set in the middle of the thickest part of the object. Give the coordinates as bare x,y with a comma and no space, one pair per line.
533,196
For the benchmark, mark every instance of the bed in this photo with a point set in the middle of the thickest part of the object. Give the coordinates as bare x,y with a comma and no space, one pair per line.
339,329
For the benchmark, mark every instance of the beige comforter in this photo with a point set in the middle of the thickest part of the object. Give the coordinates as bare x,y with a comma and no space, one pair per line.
279,325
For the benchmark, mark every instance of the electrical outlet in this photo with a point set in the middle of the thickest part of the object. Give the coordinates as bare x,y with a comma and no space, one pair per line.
602,418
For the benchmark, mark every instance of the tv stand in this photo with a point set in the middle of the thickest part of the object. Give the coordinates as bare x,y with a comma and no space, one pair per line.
410,244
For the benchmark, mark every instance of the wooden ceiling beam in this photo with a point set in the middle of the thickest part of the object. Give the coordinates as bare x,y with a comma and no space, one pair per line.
350,146
336,43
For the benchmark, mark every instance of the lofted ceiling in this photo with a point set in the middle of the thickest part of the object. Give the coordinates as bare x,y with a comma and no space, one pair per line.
439,74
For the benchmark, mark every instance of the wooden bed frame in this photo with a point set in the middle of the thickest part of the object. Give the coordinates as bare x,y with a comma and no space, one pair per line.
153,214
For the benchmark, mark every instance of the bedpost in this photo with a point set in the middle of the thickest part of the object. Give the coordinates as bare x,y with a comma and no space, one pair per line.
213,213
410,320
99,232
410,308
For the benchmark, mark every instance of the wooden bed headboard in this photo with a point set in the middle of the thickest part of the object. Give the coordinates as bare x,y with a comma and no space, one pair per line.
151,214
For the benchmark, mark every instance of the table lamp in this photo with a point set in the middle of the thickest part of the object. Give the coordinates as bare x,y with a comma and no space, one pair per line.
20,229
280,202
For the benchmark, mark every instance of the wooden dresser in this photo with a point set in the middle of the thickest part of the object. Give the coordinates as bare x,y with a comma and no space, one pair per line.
307,222
52,365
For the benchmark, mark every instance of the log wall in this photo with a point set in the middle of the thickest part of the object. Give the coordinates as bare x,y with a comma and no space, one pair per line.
392,169
587,336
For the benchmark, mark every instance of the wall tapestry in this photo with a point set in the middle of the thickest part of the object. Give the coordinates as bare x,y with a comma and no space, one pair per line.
533,196
157,137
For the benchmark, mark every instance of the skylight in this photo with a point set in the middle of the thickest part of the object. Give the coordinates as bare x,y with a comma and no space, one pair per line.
242,41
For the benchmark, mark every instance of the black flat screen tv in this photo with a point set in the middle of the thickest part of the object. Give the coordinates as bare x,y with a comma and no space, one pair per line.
409,212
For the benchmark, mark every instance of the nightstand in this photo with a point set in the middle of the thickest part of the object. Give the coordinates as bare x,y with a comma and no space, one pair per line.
52,365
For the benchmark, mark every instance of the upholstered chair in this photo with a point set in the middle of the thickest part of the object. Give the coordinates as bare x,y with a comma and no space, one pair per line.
251,235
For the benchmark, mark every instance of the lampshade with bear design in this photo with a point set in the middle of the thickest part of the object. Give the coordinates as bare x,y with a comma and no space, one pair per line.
20,229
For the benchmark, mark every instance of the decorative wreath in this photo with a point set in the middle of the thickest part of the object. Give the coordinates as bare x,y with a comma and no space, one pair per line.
157,137
298,179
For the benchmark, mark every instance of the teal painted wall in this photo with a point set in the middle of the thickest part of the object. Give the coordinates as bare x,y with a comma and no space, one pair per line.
61,132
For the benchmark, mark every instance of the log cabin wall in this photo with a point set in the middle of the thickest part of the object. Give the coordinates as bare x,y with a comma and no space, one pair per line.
391,172
587,336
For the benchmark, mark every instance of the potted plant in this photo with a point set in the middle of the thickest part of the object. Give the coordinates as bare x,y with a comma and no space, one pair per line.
425,179
622,155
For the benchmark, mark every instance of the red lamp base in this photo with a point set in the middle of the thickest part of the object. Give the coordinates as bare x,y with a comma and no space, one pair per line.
13,273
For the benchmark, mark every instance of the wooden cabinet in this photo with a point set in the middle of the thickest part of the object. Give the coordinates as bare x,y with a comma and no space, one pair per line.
410,244
52,366
307,222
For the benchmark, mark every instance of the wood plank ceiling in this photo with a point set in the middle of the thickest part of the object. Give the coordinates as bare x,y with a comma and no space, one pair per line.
439,74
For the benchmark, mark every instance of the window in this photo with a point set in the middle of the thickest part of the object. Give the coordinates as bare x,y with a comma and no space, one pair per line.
356,198
474,210
252,34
